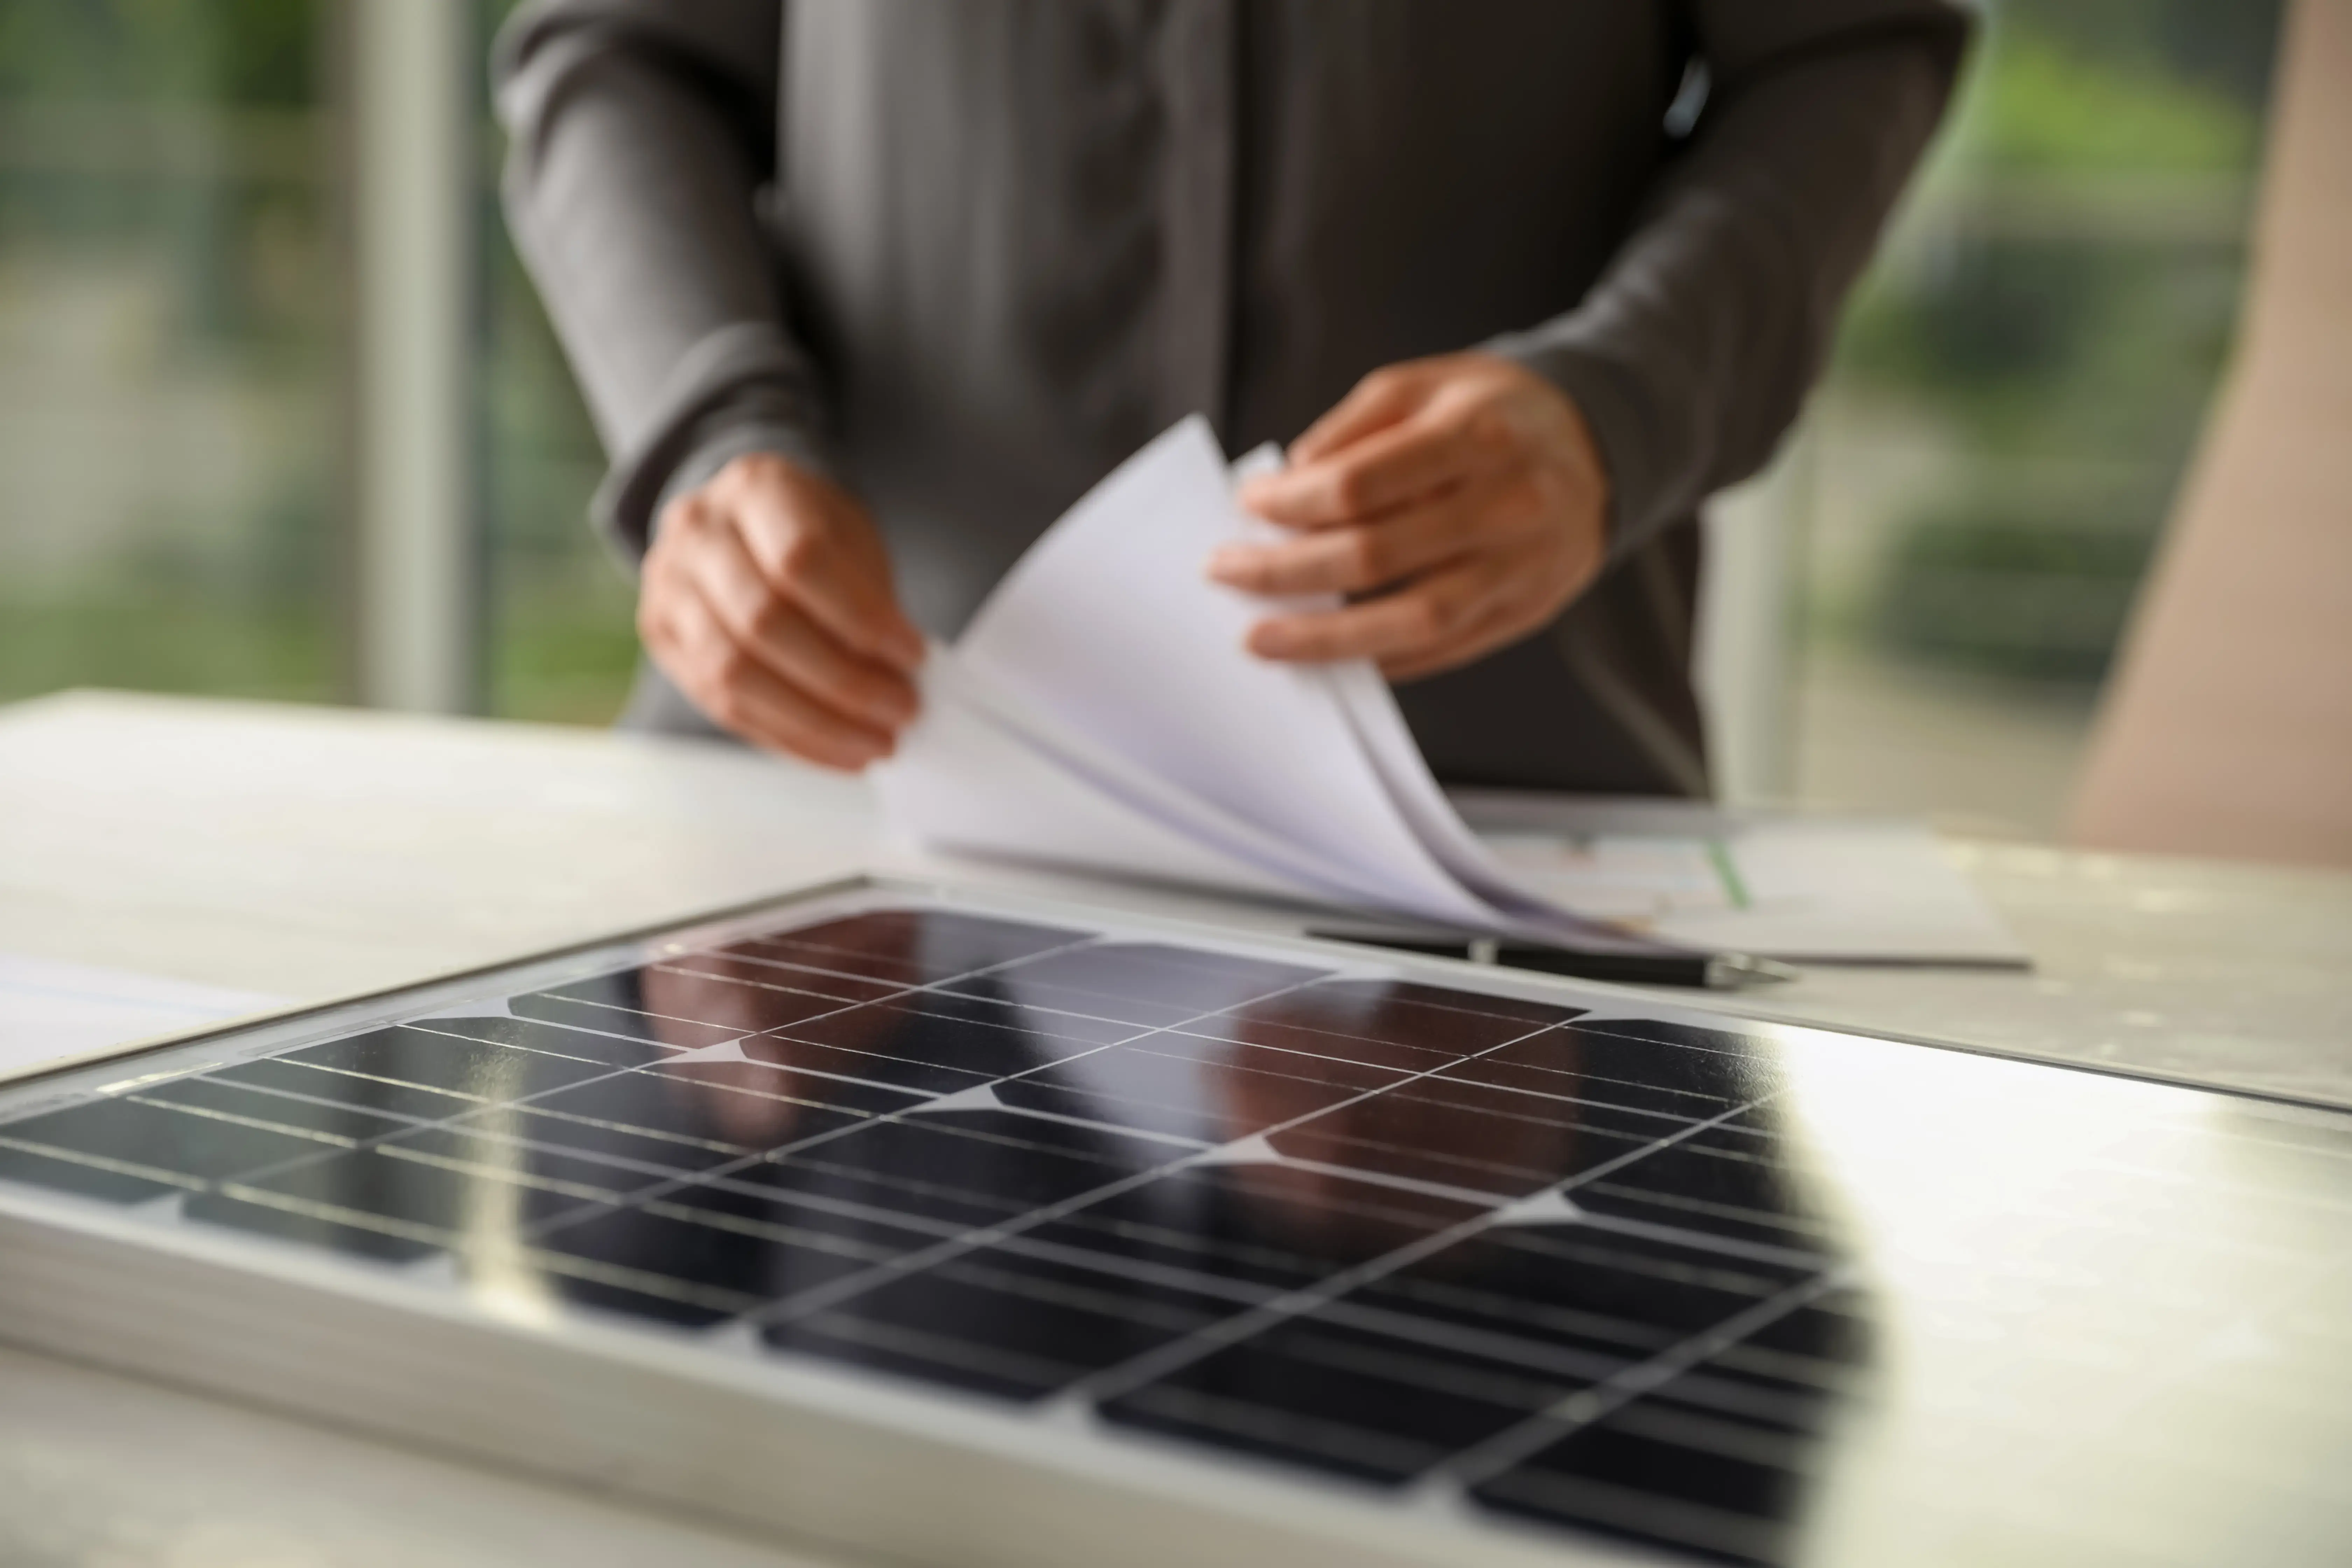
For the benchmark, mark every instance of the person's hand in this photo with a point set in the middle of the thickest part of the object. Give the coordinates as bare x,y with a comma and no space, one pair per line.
766,599
1459,502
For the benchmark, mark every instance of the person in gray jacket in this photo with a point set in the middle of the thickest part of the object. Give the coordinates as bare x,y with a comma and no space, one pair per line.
863,293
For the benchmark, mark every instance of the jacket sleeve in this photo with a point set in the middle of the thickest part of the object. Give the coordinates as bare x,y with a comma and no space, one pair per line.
1691,356
640,135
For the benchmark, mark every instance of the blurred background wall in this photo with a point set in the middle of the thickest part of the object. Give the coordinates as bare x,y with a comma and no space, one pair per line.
1914,610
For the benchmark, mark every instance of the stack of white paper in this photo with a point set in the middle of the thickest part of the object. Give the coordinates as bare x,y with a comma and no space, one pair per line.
1101,712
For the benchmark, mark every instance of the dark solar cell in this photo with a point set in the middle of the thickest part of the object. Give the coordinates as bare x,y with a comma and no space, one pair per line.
849,1172
1744,1197
453,1056
1650,1474
909,947
1003,1322
1364,1023
787,980
787,1079
752,1253
447,1181
85,1175
159,1140
344,1122
630,1003
1437,1139
980,1034
287,1076
1406,993
1576,1285
1138,984
355,1234
1217,1100
1324,1392
675,1124
1723,1042
584,1044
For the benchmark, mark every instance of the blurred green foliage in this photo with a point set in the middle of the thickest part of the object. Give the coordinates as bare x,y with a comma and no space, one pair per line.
2062,306
163,191
230,52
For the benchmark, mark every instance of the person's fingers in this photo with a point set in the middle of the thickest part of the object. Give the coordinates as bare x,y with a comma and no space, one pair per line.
1405,462
1422,615
823,553
731,684
1379,400
1481,514
780,634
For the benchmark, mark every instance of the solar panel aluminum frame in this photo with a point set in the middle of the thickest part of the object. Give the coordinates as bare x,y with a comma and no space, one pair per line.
825,1458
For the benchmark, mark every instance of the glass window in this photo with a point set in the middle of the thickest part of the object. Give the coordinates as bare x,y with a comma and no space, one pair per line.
168,331
562,635
2021,382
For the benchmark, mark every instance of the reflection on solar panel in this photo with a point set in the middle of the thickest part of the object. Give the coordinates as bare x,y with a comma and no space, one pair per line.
1542,1264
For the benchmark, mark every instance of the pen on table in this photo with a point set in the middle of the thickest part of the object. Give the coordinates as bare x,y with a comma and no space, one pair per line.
1705,971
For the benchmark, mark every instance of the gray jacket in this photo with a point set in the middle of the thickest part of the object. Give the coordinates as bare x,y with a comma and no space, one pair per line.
966,255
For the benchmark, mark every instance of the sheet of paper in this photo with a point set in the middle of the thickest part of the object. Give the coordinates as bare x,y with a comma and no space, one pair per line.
1103,710
978,775
1807,888
1109,629
51,1010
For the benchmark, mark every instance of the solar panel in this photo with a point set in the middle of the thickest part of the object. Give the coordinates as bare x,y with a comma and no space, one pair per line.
1474,1264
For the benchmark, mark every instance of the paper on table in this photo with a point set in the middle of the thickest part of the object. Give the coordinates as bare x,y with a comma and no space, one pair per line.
1821,890
1107,657
51,1010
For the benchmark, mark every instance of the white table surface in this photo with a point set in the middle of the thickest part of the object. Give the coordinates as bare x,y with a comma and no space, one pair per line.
312,853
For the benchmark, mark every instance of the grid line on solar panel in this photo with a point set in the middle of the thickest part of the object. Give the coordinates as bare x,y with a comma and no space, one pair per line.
1062,1118
1395,1181
1658,1031
1729,1245
1597,1094
102,1163
234,1119
1537,1315
1119,1380
358,1219
485,1029
723,1303
991,1360
768,1230
826,1297
1534,1105
1497,1386
1463,1339
1259,1427
556,1185
605,1124
615,1020
717,1196
243,1073
1138,1271
1474,1466
558,1222
1213,1250
265,1094
544,1111
773,976
1103,1302
1691,1526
